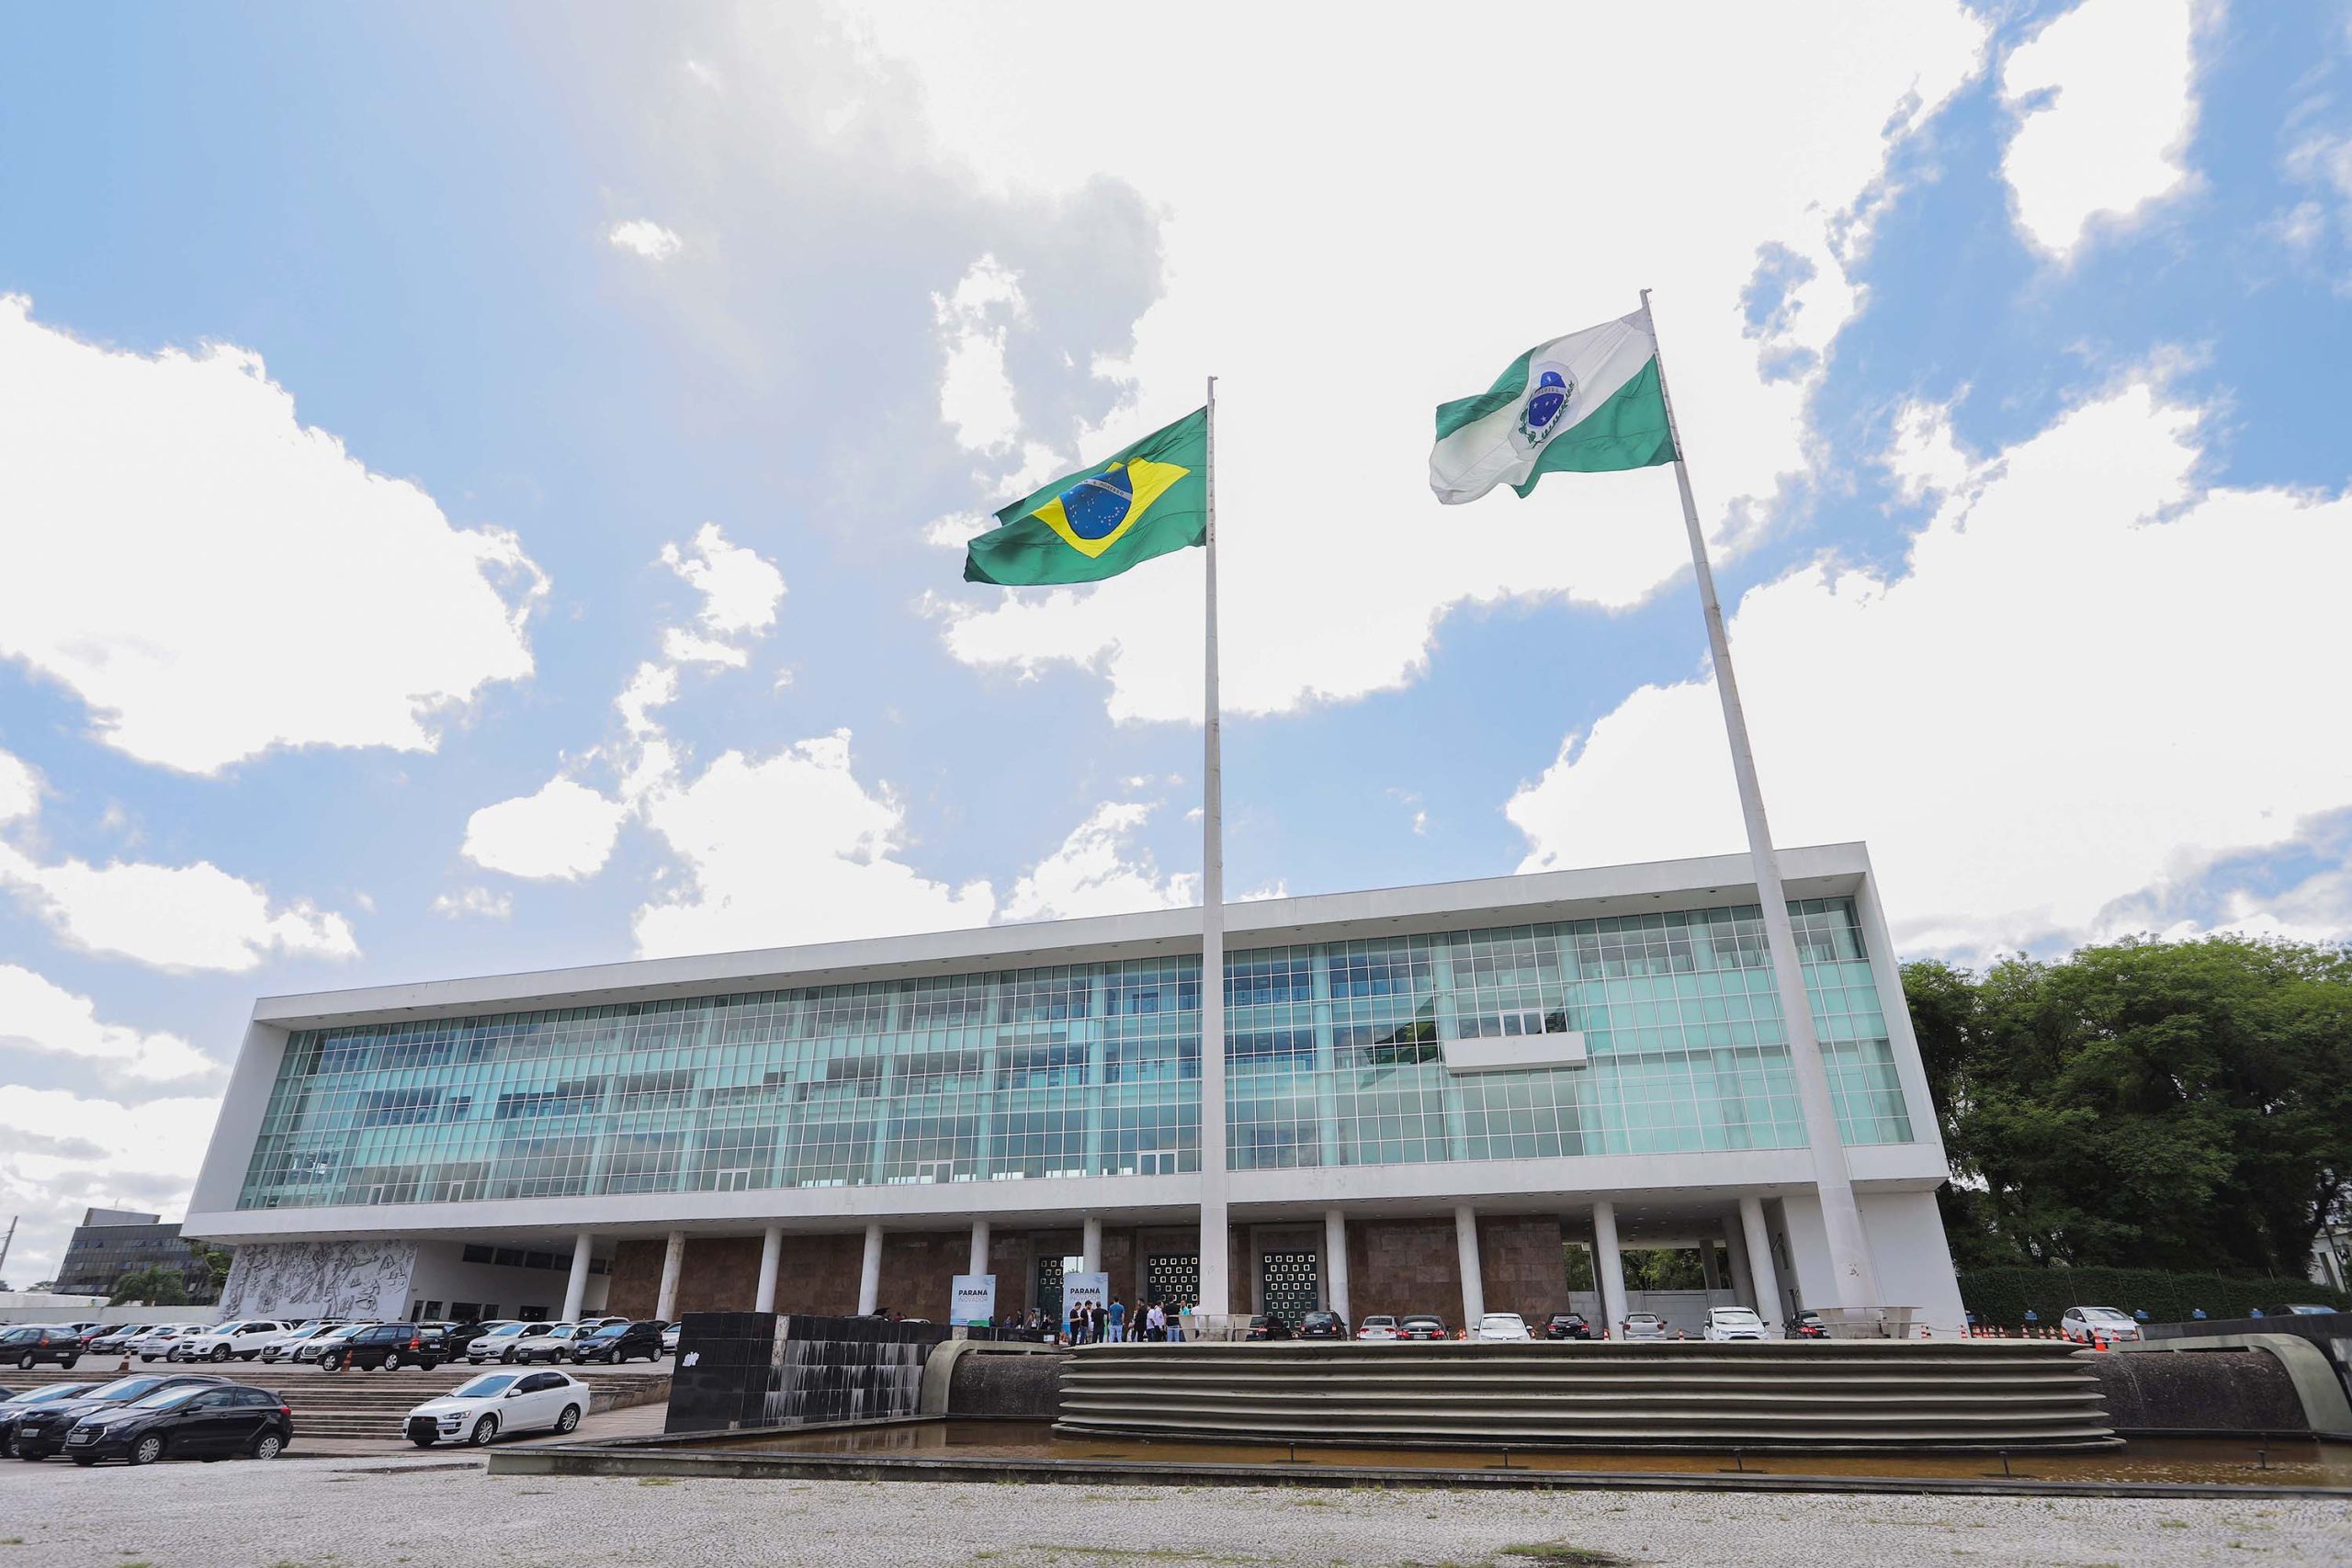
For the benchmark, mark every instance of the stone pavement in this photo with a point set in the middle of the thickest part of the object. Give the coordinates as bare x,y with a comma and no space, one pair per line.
441,1507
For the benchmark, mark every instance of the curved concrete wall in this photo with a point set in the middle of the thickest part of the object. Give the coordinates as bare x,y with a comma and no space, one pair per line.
1852,1394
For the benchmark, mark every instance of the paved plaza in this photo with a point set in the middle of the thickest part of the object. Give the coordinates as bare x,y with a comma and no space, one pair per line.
439,1509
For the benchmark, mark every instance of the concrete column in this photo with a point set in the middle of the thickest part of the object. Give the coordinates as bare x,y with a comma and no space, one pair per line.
771,1262
673,1258
1768,1305
1708,1272
575,1292
1335,1263
1090,1248
980,1247
1474,1283
869,1271
1743,1285
1608,1267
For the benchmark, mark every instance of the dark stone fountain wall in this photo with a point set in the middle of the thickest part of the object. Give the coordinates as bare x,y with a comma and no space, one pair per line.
758,1369
2205,1390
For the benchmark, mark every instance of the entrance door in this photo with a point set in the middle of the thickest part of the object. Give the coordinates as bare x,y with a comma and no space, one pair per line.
1049,1288
1171,1278
1291,1282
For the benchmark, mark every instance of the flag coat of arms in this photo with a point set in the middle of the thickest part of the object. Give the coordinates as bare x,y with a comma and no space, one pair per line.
1584,404
1143,500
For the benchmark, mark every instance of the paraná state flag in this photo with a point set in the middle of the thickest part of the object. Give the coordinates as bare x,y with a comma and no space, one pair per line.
1143,500
1584,404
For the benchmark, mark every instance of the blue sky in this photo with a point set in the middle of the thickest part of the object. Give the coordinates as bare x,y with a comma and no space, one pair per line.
389,395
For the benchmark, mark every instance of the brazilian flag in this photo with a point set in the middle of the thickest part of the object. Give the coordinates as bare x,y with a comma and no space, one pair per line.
1149,499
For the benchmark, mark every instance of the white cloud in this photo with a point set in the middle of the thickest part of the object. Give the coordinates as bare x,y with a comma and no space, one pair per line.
566,831
740,588
1093,872
1285,265
2107,99
791,848
642,236
39,1016
60,1153
19,788
975,394
212,578
2072,695
187,917
475,902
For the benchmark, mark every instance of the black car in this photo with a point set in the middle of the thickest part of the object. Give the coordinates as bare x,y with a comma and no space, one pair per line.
390,1346
1268,1325
1322,1326
1421,1325
1565,1326
28,1345
12,1406
616,1342
184,1423
453,1338
40,1431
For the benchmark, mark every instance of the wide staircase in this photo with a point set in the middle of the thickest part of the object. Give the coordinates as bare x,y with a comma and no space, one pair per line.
333,1409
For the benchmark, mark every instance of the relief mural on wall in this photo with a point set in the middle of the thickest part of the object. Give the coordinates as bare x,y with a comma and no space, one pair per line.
320,1278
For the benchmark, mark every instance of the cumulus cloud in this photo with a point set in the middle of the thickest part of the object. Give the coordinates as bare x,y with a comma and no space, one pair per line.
644,237
19,788
2105,98
177,918
565,831
213,578
1096,872
791,848
39,1016
740,588
118,1154
975,394
474,902
1327,385
2072,694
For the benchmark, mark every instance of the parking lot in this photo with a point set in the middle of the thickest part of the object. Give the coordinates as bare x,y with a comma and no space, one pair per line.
295,1513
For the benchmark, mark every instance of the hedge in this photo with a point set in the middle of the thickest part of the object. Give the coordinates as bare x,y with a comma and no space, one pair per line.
2000,1296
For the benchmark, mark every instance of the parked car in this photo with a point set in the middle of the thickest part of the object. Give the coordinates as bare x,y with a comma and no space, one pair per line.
159,1344
455,1337
385,1345
1380,1325
1808,1325
1267,1326
28,1345
549,1342
618,1342
1499,1327
1642,1325
1565,1326
670,1340
40,1431
30,1399
2301,1309
313,1348
498,1344
96,1332
1726,1324
184,1423
1421,1325
1322,1326
241,1339
281,1346
604,1322
478,1410
2098,1325
123,1339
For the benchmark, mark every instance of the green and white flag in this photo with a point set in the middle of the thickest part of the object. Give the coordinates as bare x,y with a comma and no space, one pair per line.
1585,403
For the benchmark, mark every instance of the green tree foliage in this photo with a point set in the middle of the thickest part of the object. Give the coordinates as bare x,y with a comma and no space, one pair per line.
2184,1107
155,1285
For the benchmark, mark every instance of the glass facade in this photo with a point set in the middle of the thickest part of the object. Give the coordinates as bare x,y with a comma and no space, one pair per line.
1334,1058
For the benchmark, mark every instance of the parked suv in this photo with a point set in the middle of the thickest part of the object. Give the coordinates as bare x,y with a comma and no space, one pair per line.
160,1343
28,1345
390,1346
616,1342
242,1340
184,1423
40,1432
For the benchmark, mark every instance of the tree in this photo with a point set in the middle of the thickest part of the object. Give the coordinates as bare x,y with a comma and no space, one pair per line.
217,1260
2183,1106
156,1285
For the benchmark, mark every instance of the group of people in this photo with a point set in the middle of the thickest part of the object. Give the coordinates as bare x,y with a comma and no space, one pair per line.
1092,1323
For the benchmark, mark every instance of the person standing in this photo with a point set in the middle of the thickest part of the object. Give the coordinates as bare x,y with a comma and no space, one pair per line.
1118,1321
1155,1322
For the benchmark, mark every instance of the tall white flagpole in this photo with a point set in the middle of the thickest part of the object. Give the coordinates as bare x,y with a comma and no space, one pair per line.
1215,1300
1849,1252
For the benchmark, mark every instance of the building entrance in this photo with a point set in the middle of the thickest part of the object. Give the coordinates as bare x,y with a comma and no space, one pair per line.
1049,1288
1171,1278
1290,1283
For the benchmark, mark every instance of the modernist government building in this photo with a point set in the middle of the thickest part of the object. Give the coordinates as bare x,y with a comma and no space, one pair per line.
1434,1098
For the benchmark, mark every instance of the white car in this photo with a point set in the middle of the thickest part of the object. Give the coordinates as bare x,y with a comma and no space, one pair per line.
670,1340
498,1344
480,1409
1725,1324
281,1347
1643,1325
159,1344
1380,1325
551,1342
1501,1325
2098,1326
242,1340
318,1344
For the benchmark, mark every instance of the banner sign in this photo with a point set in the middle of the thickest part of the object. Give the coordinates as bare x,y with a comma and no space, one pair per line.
1080,1290
974,1299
